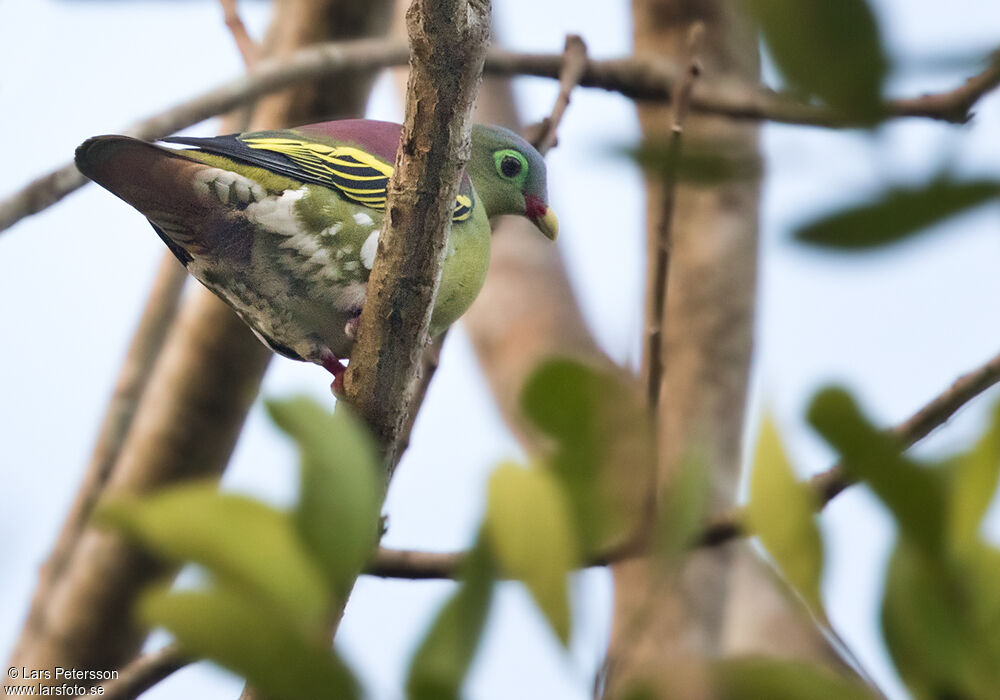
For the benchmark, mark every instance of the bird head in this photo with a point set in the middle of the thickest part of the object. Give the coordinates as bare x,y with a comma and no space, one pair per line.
509,176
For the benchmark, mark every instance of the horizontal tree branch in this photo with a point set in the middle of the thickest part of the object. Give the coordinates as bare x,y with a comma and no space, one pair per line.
410,564
640,78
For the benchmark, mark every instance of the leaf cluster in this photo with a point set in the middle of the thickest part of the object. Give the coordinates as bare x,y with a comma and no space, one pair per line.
274,578
941,603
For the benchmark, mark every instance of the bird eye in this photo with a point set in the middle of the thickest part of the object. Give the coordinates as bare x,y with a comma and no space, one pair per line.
510,164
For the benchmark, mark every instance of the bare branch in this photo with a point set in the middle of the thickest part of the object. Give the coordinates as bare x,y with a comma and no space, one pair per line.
144,672
247,47
651,79
918,426
411,564
637,78
659,244
434,148
573,65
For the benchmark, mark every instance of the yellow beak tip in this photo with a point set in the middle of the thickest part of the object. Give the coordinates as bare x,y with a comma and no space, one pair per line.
548,224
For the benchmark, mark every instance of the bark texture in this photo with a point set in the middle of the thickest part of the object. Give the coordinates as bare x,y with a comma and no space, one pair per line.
448,42
190,413
667,625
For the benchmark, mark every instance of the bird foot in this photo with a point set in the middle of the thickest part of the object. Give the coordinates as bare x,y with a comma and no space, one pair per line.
332,364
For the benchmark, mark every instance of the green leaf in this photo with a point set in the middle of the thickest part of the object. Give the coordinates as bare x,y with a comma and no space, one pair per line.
233,629
754,678
603,447
529,528
973,486
441,663
340,490
683,507
914,495
898,214
782,513
829,50
940,623
234,537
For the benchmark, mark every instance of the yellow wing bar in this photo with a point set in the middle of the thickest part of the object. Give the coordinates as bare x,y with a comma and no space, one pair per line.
356,174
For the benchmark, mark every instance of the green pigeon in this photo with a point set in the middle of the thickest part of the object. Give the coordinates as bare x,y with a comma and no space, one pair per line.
283,225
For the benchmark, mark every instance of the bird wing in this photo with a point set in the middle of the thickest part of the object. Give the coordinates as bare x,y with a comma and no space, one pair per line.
355,173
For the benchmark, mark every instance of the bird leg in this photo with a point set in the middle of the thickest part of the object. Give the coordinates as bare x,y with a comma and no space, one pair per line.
334,366
351,327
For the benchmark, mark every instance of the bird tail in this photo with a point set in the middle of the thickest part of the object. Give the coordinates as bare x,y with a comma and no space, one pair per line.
157,181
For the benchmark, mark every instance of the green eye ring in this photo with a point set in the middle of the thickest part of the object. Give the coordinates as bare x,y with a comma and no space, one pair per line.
511,165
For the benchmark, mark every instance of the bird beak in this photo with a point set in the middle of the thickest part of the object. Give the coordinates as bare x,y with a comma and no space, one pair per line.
542,216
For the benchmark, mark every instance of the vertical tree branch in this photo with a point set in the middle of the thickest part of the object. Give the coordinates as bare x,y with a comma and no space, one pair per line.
658,249
448,43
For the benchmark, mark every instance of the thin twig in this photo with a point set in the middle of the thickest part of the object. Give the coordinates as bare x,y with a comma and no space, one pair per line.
830,483
640,78
144,672
660,247
573,65
247,47
409,564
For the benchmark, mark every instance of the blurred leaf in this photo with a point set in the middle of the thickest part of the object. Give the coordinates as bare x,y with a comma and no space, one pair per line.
682,510
603,448
234,537
235,630
340,488
782,513
529,528
898,214
940,623
830,50
441,663
560,397
973,486
755,678
920,630
699,163
914,495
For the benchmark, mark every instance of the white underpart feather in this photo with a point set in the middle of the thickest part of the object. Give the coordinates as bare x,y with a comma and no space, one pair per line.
368,249
331,231
209,182
320,257
277,214
351,296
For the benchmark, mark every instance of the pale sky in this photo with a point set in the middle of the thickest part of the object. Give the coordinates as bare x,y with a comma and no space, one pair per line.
896,327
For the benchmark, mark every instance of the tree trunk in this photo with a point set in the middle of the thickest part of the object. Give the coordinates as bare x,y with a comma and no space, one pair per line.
724,600
665,627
